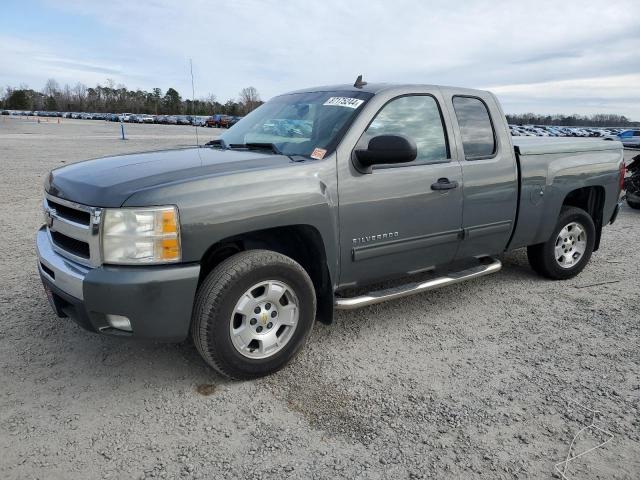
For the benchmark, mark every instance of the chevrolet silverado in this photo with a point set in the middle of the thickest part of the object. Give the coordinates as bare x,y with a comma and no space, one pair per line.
242,243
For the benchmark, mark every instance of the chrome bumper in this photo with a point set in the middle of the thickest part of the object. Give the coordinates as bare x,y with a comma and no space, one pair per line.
64,274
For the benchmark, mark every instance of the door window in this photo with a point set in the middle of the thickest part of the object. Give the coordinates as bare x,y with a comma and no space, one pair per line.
417,117
476,129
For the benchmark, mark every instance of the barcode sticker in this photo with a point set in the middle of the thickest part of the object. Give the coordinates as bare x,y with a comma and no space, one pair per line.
344,102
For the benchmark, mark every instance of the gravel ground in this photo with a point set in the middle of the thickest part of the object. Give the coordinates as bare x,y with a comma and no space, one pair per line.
471,381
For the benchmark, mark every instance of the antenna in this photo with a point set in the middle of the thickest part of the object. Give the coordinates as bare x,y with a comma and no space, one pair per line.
359,82
193,100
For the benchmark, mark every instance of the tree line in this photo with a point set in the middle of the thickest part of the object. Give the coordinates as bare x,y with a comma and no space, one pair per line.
596,120
111,98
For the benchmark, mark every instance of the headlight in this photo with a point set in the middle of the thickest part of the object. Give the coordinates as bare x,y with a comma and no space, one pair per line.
141,235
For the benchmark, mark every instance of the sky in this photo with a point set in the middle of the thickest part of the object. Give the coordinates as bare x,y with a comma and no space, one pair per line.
543,57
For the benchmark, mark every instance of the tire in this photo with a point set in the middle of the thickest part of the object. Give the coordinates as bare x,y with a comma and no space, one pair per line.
542,257
633,204
232,284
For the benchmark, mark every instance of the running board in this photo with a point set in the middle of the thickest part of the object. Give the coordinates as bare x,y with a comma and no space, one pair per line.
488,266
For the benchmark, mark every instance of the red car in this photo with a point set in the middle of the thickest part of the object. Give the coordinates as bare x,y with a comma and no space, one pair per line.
219,121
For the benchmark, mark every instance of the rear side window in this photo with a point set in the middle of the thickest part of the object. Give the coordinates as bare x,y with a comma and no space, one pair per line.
476,129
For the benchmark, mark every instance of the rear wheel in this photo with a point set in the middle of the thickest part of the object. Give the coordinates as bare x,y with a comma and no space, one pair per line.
253,313
569,248
633,204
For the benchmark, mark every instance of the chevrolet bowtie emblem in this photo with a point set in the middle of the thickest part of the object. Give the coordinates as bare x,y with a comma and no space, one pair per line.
49,214
264,317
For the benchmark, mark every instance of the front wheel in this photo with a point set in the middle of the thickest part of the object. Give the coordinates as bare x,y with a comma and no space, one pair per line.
253,313
569,248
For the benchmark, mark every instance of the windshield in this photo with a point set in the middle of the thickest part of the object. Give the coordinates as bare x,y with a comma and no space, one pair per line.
308,124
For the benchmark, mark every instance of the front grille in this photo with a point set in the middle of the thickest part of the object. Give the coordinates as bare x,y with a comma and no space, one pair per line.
74,230
78,216
71,245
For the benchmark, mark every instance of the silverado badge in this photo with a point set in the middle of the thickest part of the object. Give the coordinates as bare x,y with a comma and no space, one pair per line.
375,236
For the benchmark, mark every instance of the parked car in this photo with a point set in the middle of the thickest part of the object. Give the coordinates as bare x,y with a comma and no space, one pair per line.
233,121
218,121
198,120
629,138
632,183
183,120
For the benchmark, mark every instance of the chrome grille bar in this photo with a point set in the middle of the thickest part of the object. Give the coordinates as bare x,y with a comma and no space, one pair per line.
61,224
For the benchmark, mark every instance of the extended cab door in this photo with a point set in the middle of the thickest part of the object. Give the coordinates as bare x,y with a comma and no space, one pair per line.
395,220
490,173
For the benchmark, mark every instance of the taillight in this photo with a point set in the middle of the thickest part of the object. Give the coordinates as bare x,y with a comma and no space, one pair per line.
623,172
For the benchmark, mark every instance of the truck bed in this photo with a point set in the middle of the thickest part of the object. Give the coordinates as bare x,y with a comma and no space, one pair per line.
549,169
544,145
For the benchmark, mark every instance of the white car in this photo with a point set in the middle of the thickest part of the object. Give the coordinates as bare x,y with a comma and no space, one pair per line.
199,120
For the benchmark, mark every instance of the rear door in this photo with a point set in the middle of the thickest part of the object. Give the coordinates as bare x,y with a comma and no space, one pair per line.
490,174
393,221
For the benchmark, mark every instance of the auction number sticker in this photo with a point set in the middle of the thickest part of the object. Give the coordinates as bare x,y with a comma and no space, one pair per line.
344,102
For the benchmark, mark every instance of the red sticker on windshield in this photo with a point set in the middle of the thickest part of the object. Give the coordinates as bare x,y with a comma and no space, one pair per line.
318,153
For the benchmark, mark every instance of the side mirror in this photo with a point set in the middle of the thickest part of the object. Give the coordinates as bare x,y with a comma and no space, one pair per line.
385,149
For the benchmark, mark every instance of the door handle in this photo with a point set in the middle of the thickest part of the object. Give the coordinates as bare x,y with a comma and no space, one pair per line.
444,184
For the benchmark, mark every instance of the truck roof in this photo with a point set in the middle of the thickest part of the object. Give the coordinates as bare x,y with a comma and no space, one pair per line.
375,88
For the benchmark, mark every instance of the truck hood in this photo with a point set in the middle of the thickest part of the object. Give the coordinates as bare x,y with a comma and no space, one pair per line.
109,181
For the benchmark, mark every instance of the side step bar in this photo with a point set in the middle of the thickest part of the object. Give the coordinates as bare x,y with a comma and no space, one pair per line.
489,265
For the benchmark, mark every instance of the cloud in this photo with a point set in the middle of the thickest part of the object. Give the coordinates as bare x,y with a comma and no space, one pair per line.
544,57
586,95
79,66
32,62
280,45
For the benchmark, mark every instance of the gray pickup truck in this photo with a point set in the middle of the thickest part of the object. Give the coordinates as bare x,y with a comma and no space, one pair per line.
311,203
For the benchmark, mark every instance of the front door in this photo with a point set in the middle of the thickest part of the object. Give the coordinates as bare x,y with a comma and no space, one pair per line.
406,217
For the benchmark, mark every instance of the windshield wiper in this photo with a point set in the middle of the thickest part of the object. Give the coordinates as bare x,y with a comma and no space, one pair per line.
257,145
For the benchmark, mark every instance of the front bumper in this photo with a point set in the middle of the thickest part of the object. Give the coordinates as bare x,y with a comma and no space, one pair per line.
157,300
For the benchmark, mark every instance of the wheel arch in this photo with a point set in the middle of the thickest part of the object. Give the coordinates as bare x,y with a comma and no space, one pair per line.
303,243
592,200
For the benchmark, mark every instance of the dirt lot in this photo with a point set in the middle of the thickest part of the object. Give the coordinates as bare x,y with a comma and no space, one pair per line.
470,381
